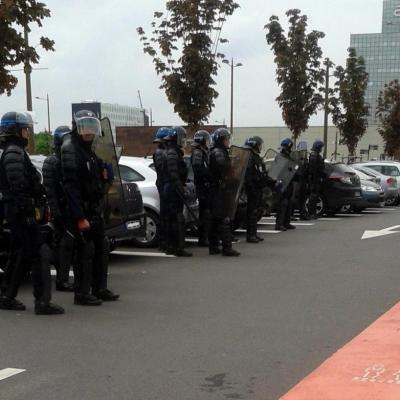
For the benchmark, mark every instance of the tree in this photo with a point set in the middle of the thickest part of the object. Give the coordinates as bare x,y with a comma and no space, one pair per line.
299,72
15,15
184,47
43,142
388,113
348,107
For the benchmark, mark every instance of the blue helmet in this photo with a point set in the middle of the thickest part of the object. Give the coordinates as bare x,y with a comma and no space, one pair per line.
161,134
287,144
318,145
13,122
176,135
220,135
59,133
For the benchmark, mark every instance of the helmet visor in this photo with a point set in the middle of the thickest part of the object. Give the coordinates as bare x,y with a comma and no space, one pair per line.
88,126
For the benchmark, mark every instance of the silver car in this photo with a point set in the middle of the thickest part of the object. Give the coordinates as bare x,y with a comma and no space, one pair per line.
388,183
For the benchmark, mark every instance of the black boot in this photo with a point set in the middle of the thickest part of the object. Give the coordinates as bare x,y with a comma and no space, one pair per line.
7,303
226,238
86,300
106,295
181,235
64,287
214,250
252,228
252,239
260,239
44,308
290,226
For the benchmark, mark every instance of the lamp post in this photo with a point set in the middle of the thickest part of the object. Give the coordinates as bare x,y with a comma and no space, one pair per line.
328,63
232,65
48,109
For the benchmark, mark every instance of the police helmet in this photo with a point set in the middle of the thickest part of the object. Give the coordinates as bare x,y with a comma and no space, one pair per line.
59,133
318,145
176,135
202,137
161,134
86,122
13,122
220,135
254,143
287,144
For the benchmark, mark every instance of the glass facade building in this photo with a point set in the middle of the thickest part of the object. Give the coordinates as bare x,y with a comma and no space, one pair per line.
381,52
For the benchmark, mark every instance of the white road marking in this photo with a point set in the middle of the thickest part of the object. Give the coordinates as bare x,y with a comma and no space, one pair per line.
329,219
349,215
383,232
293,223
258,231
268,218
9,372
383,209
141,254
54,273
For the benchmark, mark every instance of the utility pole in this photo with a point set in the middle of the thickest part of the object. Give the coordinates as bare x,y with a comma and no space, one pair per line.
328,65
232,65
28,71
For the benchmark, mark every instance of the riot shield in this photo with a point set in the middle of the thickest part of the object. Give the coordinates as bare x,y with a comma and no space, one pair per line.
233,180
300,157
114,207
279,167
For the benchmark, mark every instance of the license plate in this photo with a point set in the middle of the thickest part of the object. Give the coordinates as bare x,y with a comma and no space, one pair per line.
133,224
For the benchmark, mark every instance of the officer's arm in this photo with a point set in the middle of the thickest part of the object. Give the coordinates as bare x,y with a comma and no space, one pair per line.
173,170
71,184
50,184
14,164
197,164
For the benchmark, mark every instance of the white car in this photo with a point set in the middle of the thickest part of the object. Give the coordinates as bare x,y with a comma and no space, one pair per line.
141,171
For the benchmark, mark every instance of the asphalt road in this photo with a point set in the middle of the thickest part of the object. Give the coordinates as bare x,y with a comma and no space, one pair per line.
210,327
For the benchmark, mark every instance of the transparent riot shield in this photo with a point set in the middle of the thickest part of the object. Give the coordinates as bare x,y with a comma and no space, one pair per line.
233,180
279,167
114,207
300,157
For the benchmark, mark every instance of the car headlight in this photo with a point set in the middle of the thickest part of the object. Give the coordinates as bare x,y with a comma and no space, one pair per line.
368,189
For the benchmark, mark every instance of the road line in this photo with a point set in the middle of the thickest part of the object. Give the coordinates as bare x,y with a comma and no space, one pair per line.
349,215
141,254
383,209
9,372
329,219
54,273
372,212
293,223
367,368
258,231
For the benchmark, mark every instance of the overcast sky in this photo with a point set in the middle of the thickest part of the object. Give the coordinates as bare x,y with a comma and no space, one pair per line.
98,56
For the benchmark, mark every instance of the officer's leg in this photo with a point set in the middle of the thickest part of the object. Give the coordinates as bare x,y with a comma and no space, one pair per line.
180,228
282,203
252,218
65,256
162,225
169,219
205,221
225,232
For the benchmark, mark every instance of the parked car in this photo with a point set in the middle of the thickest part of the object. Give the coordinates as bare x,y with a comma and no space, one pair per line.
387,183
127,223
342,188
141,171
389,169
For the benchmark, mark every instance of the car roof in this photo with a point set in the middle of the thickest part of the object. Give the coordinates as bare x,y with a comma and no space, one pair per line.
136,160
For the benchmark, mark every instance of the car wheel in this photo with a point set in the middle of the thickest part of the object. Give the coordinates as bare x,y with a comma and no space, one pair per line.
152,231
322,206
390,202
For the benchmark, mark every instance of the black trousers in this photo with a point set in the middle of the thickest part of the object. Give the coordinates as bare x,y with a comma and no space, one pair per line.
315,190
163,222
284,207
28,252
204,216
63,251
254,203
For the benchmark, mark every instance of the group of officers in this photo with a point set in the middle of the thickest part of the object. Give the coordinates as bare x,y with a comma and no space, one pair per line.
211,164
75,181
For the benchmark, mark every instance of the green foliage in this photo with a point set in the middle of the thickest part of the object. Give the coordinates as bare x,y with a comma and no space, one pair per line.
388,113
14,16
43,143
183,46
299,72
349,111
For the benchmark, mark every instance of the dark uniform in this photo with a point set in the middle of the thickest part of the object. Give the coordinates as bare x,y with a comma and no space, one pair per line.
317,175
220,164
174,192
63,241
160,165
302,181
256,180
202,181
285,198
85,185
22,192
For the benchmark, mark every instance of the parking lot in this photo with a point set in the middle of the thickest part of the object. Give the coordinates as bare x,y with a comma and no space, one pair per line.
210,327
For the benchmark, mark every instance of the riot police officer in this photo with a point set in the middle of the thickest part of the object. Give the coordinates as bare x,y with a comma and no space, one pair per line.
63,241
22,193
302,180
202,181
86,179
160,165
256,180
317,175
174,190
220,164
284,206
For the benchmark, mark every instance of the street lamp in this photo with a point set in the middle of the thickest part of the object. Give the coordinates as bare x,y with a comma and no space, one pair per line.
232,65
48,108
